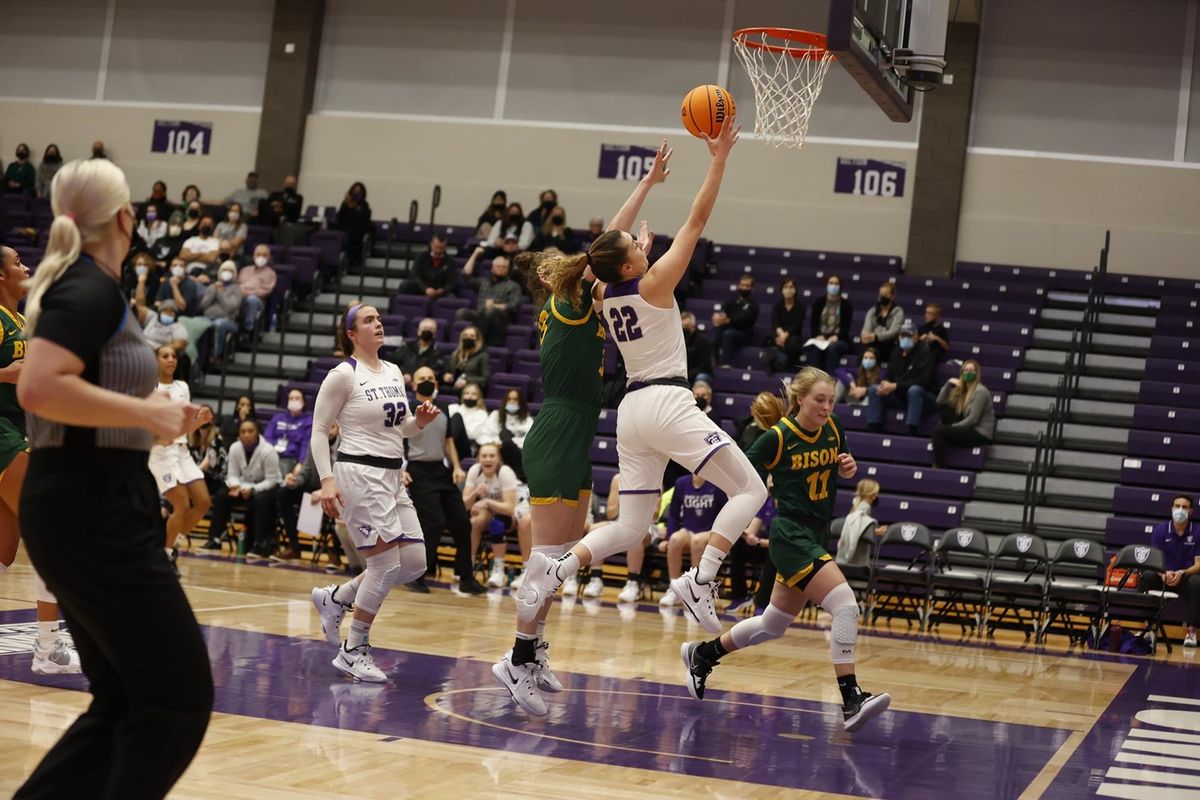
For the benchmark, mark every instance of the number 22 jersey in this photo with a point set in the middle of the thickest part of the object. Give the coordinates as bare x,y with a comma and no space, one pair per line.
650,338
369,422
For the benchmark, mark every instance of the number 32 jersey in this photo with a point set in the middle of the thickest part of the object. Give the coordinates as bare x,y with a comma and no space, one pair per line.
650,338
803,466
369,422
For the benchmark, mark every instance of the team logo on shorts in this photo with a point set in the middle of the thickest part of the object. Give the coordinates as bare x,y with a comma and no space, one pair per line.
965,537
908,532
712,438
1141,554
1082,549
365,530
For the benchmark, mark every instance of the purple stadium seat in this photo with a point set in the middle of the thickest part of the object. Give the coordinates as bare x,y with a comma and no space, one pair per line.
501,382
532,371
606,425
1177,325
1173,371
1121,531
393,324
898,479
307,261
411,306
1158,393
604,451
733,406
731,381
1168,475
285,276
854,418
1152,444
527,356
1140,501
445,307
278,253
1175,347
601,480
518,337
1182,304
938,514
1069,279
330,245
918,451
983,332
258,234
1165,418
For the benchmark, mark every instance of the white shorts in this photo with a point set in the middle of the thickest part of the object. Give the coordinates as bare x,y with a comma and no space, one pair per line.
172,465
657,424
376,508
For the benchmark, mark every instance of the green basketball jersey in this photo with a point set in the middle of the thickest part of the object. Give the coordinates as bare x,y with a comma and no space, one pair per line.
572,351
12,349
803,466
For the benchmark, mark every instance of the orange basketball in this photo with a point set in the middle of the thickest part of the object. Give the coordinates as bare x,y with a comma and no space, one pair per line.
705,110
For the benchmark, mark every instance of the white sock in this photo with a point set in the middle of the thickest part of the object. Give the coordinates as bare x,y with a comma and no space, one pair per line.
345,594
541,631
568,565
710,564
167,550
359,631
3,568
47,633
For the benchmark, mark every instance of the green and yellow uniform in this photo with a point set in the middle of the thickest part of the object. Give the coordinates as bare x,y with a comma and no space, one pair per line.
557,452
804,468
12,417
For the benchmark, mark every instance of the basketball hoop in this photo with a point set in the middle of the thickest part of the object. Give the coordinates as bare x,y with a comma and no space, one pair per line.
787,68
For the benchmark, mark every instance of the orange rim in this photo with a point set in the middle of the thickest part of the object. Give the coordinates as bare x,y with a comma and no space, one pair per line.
814,42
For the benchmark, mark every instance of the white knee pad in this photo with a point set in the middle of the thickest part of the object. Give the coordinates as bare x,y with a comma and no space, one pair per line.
733,474
772,624
412,562
842,605
637,510
40,592
383,570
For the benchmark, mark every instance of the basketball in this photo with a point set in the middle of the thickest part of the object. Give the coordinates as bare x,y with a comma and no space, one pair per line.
705,110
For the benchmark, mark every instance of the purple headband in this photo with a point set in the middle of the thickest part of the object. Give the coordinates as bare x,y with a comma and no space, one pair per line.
350,315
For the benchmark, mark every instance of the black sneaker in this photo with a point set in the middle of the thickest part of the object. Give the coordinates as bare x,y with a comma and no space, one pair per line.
419,586
472,586
863,707
173,559
697,668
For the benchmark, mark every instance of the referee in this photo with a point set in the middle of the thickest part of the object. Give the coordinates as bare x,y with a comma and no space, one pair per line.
90,509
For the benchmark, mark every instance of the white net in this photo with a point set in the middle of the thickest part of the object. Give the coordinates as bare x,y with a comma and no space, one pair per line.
787,80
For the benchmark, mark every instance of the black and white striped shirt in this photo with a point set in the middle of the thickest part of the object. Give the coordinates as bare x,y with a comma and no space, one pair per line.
85,312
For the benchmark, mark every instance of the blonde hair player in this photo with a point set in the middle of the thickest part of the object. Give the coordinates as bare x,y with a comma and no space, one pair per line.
658,419
365,396
801,452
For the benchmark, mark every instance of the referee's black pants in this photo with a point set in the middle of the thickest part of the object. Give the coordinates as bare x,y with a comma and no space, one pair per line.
94,531
440,508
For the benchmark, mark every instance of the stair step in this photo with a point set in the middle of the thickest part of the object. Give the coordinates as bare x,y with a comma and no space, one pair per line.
1062,492
1097,364
1051,523
1092,438
1091,388
1067,463
1110,343
324,303
1134,321
1095,412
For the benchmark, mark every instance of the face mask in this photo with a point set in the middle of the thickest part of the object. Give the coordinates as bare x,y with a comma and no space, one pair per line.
498,206
295,406
166,319
151,216
514,219
868,363
884,299
177,272
702,403
226,277
206,230
548,205
745,292
906,342
512,408
558,219
968,377
357,197
234,216
425,336
174,230
193,213
53,158
1179,515
833,289
22,155
261,261
141,269
426,388
468,343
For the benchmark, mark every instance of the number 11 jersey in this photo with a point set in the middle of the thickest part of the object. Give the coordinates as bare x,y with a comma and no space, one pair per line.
650,338
803,466
369,422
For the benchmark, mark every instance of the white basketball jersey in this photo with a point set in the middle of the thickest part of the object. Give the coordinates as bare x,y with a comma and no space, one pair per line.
178,390
369,422
650,338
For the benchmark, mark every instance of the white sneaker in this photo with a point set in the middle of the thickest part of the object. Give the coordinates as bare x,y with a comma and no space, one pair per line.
698,599
670,598
571,586
359,664
630,592
547,681
497,579
521,683
182,542
541,581
59,659
1190,639
594,588
516,582
330,611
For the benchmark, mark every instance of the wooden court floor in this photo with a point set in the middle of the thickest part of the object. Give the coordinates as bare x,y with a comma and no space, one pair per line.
968,719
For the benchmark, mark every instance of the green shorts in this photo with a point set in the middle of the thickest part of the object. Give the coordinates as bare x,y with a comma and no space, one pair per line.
557,452
12,441
796,550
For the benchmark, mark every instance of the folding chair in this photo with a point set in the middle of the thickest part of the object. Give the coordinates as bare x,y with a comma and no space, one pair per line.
859,577
1068,597
1131,605
960,579
900,576
1017,583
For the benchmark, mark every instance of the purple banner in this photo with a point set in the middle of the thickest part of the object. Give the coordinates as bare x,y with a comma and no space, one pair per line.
870,177
181,138
625,162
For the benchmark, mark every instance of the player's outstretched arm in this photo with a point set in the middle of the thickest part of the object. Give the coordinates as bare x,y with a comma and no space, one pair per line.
623,221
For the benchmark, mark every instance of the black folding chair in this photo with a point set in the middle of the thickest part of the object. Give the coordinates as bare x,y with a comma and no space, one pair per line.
960,579
1130,605
858,576
1076,589
1017,583
900,575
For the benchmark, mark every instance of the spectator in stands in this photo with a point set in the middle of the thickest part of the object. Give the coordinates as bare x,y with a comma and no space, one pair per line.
909,384
202,251
859,528
765,410
21,177
733,325
434,274
690,517
702,391
193,213
595,227
162,327
211,455
829,327
490,498
158,197
51,163
283,205
787,329
98,150
145,272
553,232
169,246
249,197
547,202
868,375
183,290
257,282
515,225
933,333
243,410
289,433
469,362
883,321
152,227
221,303
191,196
499,296
233,228
1179,540
492,214
468,420
252,482
699,350
354,219
508,426
421,351
968,413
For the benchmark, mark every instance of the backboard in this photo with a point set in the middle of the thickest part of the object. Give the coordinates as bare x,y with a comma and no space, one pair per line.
863,35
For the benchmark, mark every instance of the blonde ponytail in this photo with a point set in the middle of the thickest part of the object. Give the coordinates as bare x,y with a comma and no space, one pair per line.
556,274
85,196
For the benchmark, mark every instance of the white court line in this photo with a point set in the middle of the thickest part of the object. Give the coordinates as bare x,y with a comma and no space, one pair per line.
247,605
1152,776
1158,761
1166,736
1166,698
